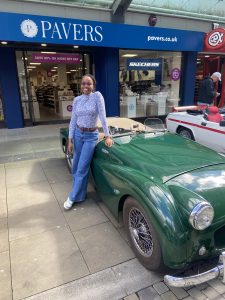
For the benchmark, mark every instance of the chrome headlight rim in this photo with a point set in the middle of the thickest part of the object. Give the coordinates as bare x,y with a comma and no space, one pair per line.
196,211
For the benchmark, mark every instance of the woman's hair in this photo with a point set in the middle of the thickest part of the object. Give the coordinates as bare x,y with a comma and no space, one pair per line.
92,78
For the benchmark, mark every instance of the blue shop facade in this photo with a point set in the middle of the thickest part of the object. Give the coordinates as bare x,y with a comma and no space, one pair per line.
141,71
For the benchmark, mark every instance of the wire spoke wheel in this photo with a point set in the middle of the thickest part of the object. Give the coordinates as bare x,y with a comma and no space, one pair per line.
140,232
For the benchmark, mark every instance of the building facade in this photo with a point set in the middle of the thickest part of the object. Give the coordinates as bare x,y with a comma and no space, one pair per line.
141,70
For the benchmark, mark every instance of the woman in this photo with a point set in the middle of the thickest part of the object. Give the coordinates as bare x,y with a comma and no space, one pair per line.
83,136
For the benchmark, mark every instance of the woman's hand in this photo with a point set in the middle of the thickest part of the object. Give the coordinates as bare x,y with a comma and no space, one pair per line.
109,141
70,146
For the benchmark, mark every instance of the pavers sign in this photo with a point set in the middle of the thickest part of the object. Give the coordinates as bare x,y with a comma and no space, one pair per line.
54,30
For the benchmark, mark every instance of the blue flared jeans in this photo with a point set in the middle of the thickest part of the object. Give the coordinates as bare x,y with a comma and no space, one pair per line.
84,143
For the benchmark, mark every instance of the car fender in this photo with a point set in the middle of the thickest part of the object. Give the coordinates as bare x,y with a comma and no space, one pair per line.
158,204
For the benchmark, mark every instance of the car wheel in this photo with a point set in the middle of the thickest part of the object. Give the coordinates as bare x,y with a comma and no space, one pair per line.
186,133
142,235
69,159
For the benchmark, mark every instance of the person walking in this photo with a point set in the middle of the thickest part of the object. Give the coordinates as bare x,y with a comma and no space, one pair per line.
207,91
83,136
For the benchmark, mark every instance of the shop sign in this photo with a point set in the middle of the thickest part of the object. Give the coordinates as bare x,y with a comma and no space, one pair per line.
69,108
215,40
175,74
53,30
144,64
56,58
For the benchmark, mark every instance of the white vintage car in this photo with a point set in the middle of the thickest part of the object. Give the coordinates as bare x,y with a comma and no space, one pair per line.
205,126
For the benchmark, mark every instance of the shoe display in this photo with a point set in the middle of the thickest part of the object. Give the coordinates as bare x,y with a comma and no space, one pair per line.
68,204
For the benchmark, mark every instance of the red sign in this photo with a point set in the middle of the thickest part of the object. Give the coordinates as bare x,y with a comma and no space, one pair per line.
215,40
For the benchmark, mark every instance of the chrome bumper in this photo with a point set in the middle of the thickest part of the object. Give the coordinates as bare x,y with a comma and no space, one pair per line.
216,272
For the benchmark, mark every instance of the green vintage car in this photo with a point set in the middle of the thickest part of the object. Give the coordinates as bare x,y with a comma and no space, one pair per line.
171,192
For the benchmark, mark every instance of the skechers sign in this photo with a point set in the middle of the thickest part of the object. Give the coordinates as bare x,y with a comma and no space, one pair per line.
52,30
144,64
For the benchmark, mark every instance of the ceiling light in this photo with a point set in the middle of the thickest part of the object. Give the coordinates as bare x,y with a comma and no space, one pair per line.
81,60
53,70
48,52
32,67
207,55
129,55
73,70
55,67
44,45
34,63
68,72
76,47
4,43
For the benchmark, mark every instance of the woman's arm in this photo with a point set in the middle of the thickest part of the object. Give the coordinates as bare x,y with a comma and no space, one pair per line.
73,120
102,116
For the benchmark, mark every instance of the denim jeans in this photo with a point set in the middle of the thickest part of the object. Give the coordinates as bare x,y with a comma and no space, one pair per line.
84,145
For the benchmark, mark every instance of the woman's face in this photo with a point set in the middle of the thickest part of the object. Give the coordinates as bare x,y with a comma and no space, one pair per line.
87,85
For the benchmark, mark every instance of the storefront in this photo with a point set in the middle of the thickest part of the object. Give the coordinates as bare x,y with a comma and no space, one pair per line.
211,60
141,71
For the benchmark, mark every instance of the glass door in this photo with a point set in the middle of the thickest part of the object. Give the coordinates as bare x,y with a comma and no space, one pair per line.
21,59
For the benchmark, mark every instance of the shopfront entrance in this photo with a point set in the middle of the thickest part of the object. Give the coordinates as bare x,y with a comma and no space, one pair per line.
207,64
212,60
48,83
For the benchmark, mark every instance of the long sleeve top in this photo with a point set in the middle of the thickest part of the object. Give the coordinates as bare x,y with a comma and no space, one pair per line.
86,110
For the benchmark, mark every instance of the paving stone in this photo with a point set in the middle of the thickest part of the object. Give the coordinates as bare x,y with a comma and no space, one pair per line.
132,297
189,298
148,293
160,287
134,277
35,219
2,177
30,195
5,278
4,241
84,215
102,246
180,293
61,190
25,175
210,293
38,144
196,294
50,162
202,286
168,296
99,286
3,206
218,285
57,174
44,261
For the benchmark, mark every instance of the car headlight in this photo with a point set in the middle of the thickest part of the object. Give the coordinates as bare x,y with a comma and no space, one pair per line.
201,216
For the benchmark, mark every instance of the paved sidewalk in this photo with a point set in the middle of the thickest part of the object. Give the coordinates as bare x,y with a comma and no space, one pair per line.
49,254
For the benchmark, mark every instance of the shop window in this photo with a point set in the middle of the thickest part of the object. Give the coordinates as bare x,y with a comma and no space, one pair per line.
149,82
49,83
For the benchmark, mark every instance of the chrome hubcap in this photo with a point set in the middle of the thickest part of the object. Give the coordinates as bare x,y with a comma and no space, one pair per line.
140,232
185,134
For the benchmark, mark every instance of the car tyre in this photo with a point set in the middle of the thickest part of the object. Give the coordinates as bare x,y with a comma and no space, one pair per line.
69,159
186,133
142,235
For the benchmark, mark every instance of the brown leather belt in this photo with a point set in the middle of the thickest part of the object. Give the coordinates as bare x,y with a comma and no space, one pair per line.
87,129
